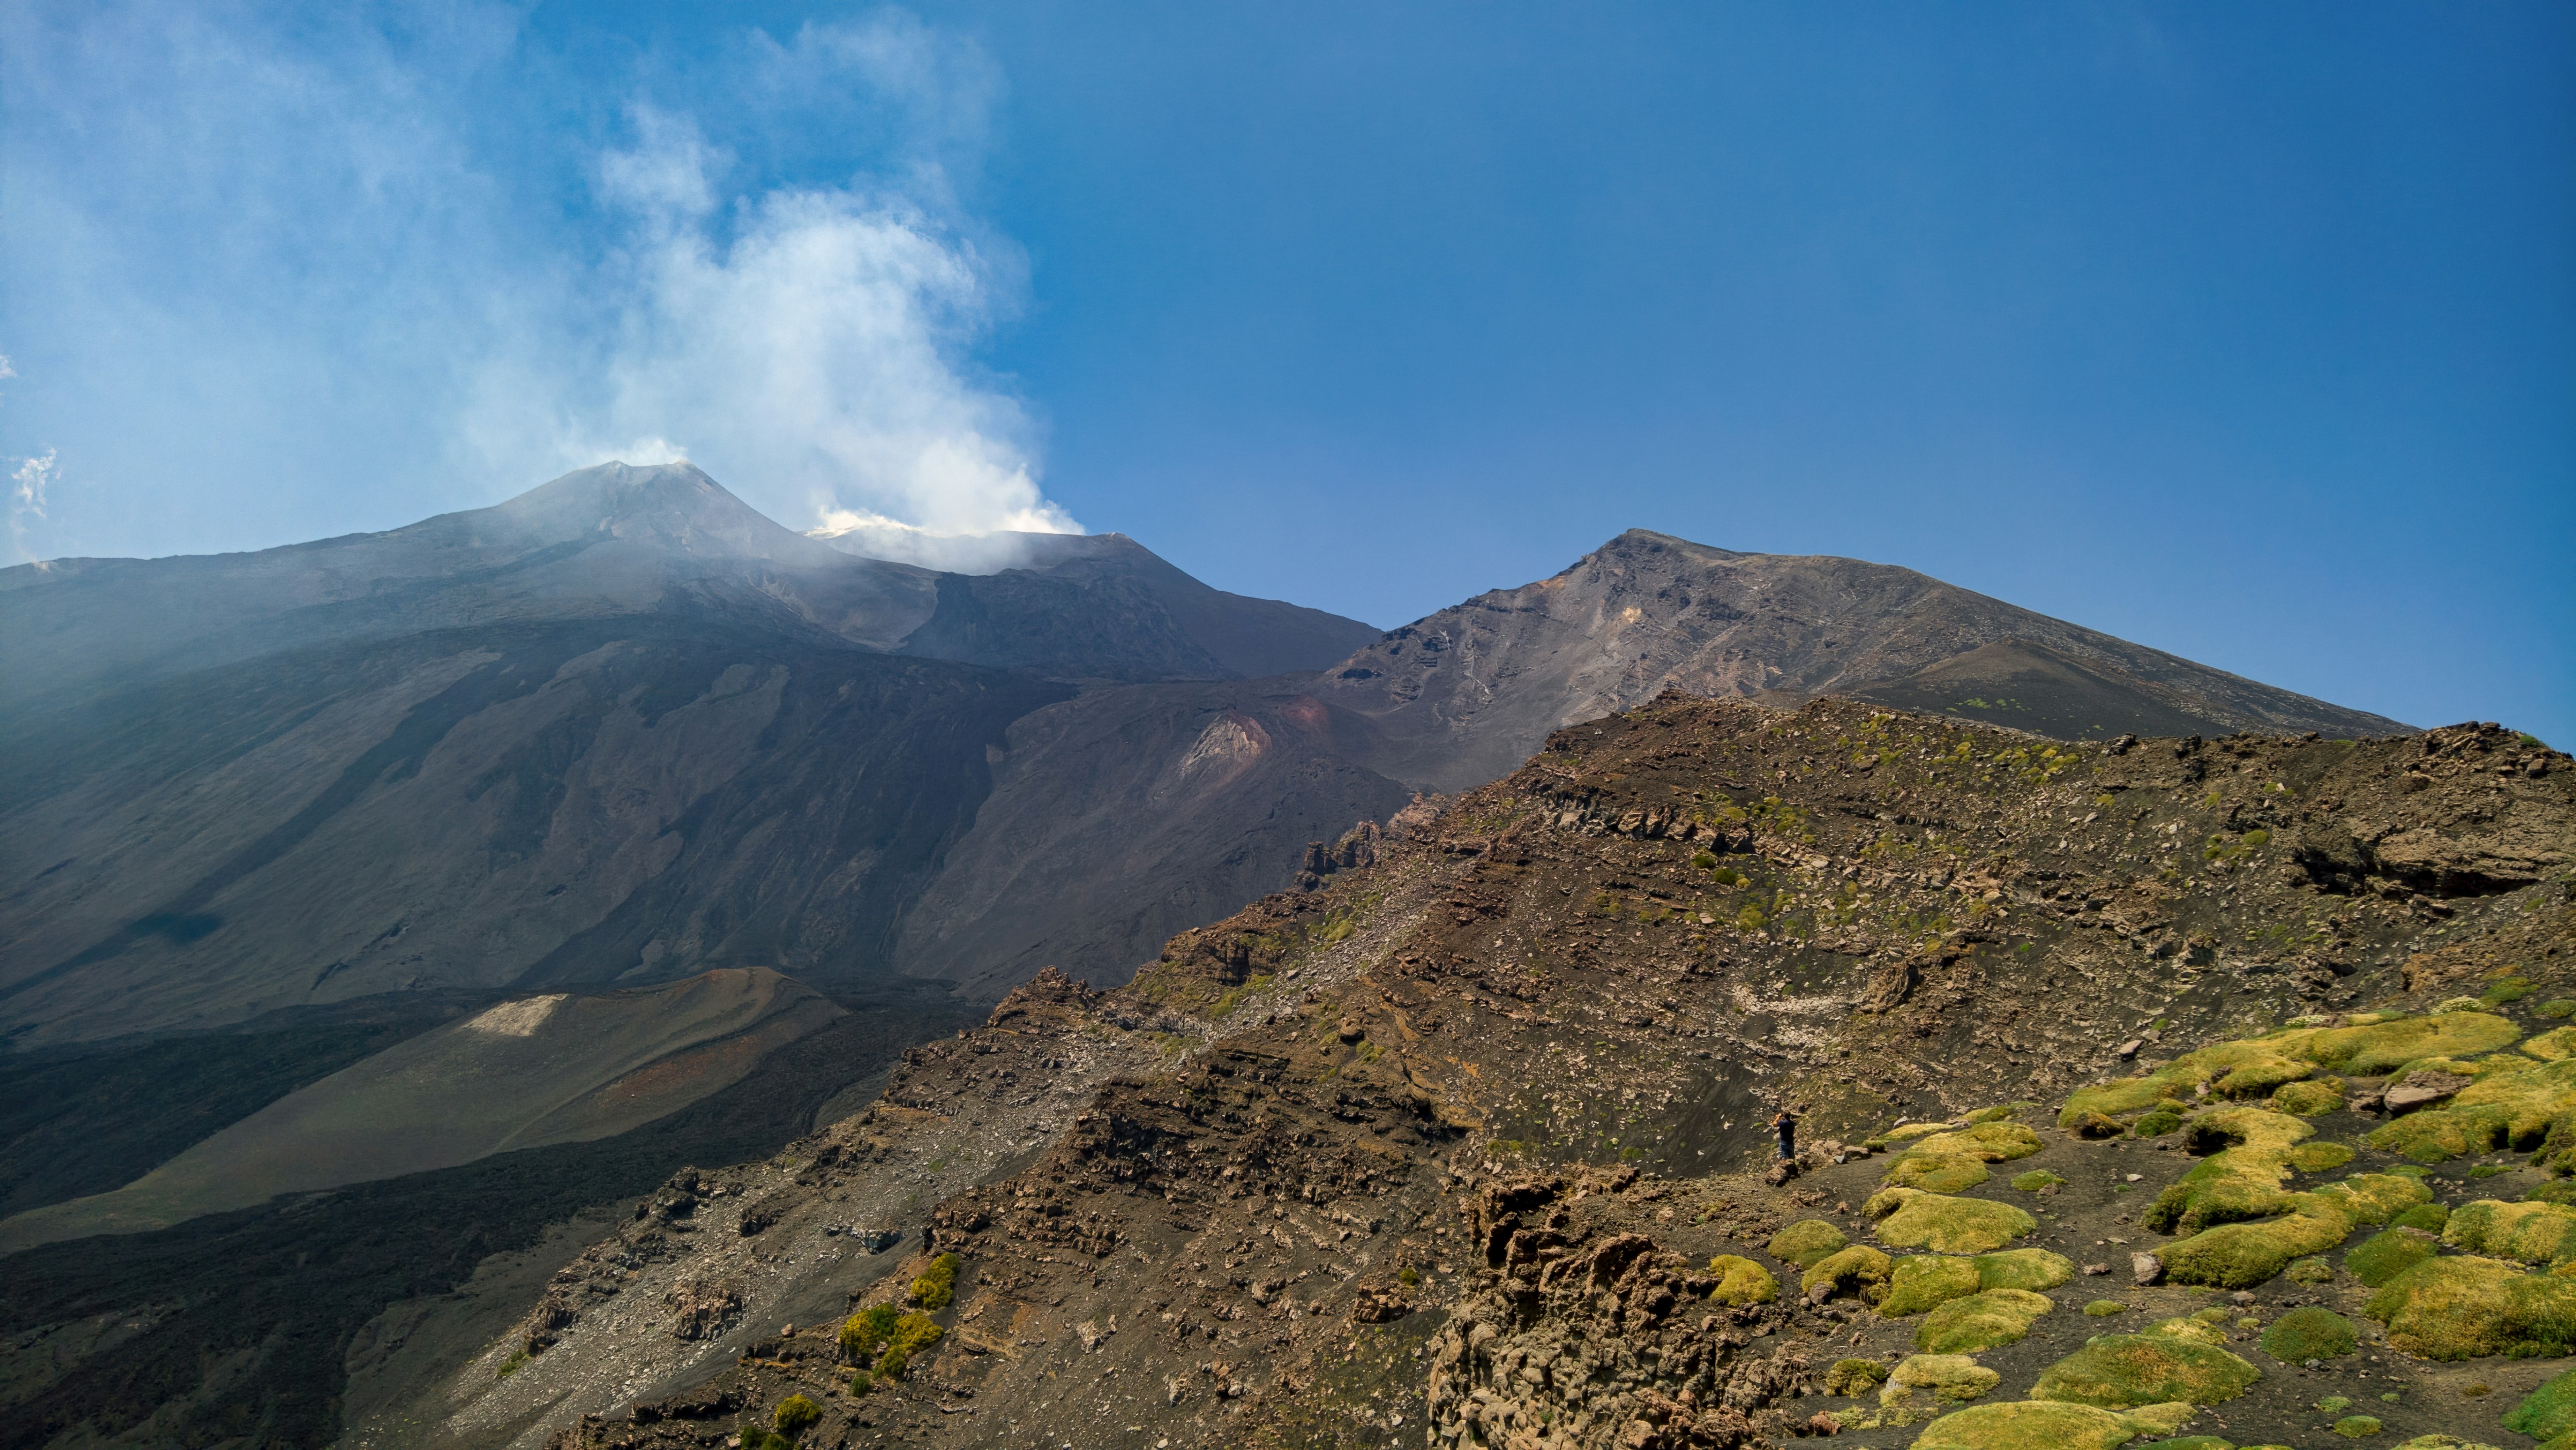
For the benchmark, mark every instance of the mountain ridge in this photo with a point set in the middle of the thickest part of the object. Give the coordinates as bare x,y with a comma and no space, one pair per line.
1465,692
702,610
1499,1095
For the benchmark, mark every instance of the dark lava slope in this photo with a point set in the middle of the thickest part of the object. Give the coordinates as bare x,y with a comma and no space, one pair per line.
620,729
540,803
1446,1146
1109,604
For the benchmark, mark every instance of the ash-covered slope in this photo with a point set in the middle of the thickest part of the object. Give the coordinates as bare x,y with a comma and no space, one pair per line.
1122,612
1123,816
606,541
1463,695
533,804
527,1073
619,729
1337,1170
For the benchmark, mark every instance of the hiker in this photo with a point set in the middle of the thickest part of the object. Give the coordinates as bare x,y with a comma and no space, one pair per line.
1785,1123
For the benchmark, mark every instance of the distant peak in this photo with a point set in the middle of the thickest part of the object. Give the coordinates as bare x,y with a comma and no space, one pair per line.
675,504
1648,541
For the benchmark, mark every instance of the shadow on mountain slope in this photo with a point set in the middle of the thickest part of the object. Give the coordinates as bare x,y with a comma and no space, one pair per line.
234,1328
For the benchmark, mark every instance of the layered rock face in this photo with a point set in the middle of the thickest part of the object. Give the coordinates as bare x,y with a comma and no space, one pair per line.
1473,1142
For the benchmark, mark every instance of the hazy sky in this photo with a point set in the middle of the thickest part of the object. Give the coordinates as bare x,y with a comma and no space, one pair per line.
2247,332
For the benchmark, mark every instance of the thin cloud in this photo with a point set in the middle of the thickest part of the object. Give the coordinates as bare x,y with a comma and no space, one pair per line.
342,270
27,485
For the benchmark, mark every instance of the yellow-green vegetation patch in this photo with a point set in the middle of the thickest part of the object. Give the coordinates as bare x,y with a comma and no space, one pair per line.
2119,1370
2375,1198
2105,1308
1950,1162
1908,1132
937,1286
2311,1099
1999,1113
2205,1327
2553,1045
2222,1204
2167,1086
2309,1333
1919,1282
1922,1282
2420,1442
2155,1123
795,1415
1951,1377
2257,1066
2263,1076
2384,1046
1980,1321
2023,1269
1804,1242
2385,1255
2466,1307
2309,1271
864,1334
2547,1412
2240,1181
2511,988
2188,1442
2320,1157
1859,1270
2242,1255
2535,1233
1741,1281
2043,1425
1909,1218
2430,1217
2513,1104
2037,1180
887,1336
912,1334
1854,1377
1938,1175
2357,1427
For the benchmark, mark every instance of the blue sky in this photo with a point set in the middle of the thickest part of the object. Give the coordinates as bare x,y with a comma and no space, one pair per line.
2248,332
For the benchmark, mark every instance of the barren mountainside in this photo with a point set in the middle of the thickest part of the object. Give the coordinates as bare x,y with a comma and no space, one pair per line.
621,729
1468,1144
1463,695
533,1071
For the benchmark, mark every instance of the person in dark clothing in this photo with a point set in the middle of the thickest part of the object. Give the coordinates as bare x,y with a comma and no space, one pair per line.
1785,1123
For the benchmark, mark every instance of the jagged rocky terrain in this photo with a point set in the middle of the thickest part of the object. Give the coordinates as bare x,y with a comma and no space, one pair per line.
1468,1143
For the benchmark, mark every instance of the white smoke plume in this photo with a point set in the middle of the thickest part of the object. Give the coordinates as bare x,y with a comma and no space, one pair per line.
27,484
805,343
